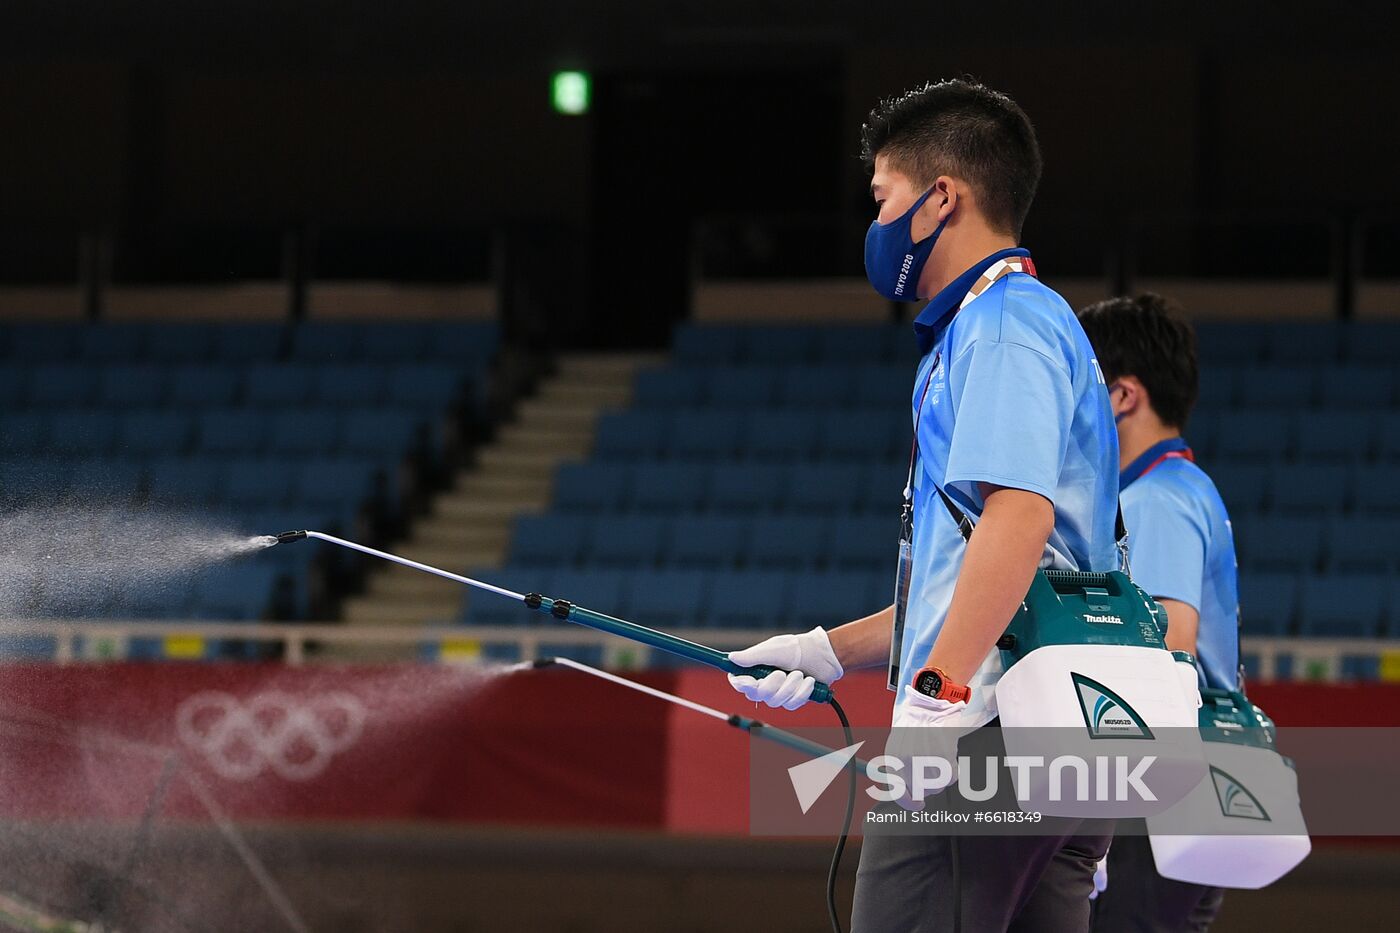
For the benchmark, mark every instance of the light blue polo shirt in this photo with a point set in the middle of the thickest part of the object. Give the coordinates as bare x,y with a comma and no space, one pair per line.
1181,546
1017,400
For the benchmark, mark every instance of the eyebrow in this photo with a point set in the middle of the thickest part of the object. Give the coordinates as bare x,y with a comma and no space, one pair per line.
874,187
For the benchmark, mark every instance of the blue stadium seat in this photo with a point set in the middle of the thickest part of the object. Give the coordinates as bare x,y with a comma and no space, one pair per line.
704,541
1348,606
331,481
668,598
469,343
237,591
765,345
24,481
711,345
740,387
1308,343
866,542
745,488
888,387
1217,388
590,487
1388,436
750,599
1309,487
301,431
1268,603
61,385
22,432
704,434
483,608
624,541
862,434
547,540
232,431
205,385
1203,433
98,343
1277,386
824,487
595,588
848,345
1244,487
1363,544
787,542
1335,436
180,343
1279,543
326,342
1230,343
84,432
1376,489
401,342
1372,343
833,598
42,343
14,382
1368,387
154,432
278,384
106,480
823,387
781,435
629,435
668,487
427,386
349,385
132,386
248,343
378,432
1254,435
882,491
669,388
190,480
258,483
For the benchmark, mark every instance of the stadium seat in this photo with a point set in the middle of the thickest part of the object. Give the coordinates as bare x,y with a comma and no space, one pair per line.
180,343
301,431
704,434
14,383
595,588
42,343
1276,387
136,386
334,481
185,480
750,599
1376,489
1244,487
153,432
326,342
740,387
1335,436
848,345
668,487
1268,603
1372,343
821,387
84,432
764,345
862,434
885,387
99,343
1254,435
824,487
106,480
745,488
1217,388
236,591
1347,606
631,435
624,541
62,385
882,491
711,542
1368,387
349,385
245,344
866,542
787,542
378,432
1279,543
196,386
1388,436
278,384
1309,487
22,432
590,487
709,345
1229,343
1303,343
426,386
25,481
480,607
463,343
1363,544
832,598
257,483
782,436
547,540
668,598
669,388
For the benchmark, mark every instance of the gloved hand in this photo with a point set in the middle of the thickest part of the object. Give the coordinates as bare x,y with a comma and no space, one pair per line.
807,658
925,727
1100,878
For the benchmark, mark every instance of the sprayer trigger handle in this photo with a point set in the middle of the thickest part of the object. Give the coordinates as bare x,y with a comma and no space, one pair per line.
821,692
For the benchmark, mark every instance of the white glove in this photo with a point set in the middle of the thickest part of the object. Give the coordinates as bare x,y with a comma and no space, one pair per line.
805,658
926,727
1100,878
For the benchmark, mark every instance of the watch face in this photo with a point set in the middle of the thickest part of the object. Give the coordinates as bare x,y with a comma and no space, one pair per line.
929,684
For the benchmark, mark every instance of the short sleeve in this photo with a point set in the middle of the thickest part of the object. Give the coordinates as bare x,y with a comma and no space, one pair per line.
1014,408
1167,548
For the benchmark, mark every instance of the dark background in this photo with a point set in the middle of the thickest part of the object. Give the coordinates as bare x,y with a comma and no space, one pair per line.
416,140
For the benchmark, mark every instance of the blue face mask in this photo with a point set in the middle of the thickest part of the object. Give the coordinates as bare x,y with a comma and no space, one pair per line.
893,261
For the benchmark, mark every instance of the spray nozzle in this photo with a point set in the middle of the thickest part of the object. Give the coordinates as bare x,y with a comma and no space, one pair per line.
288,537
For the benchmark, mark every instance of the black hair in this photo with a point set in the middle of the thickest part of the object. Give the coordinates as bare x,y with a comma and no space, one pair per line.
1147,337
964,129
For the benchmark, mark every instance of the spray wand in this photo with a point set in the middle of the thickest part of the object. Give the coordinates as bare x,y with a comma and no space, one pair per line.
566,611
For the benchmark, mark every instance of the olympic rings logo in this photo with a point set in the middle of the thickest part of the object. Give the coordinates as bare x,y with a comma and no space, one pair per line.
294,737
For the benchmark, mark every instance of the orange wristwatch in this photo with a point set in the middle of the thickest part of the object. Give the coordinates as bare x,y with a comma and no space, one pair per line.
934,683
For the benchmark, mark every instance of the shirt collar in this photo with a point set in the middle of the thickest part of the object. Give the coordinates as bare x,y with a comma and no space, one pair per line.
944,305
1150,458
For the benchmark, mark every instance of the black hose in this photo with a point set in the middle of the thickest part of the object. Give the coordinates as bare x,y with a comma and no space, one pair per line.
845,824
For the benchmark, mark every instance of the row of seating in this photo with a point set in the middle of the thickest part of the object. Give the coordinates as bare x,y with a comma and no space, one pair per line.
873,432
1322,606
838,385
385,433
459,342
119,386
1310,343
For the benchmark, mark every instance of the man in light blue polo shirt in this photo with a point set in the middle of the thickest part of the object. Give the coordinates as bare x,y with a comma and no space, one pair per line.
1012,423
1182,552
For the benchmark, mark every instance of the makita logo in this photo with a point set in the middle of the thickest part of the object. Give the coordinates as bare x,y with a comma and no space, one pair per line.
903,274
1109,620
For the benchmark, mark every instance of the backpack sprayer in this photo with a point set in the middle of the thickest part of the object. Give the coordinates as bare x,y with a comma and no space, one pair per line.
566,611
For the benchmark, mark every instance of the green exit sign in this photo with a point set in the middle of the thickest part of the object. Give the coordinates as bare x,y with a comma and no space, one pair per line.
571,91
